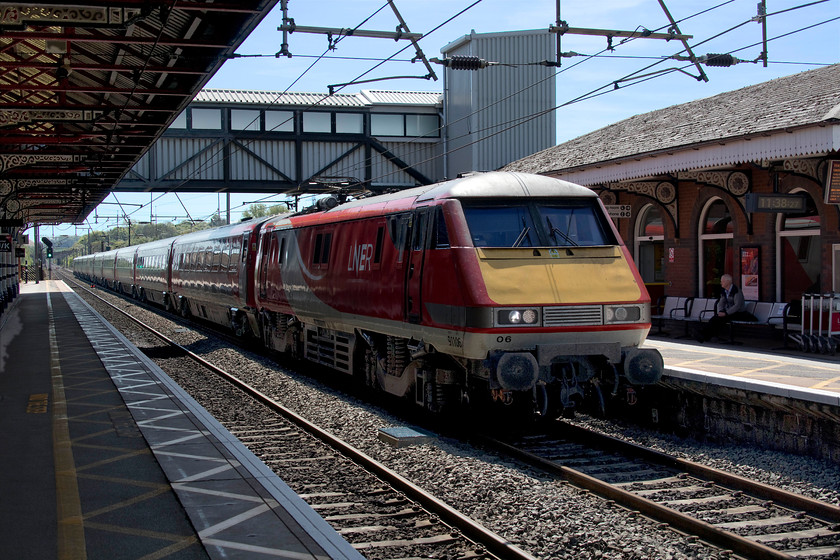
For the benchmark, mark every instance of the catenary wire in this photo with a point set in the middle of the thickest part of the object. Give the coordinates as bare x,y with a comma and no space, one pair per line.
593,93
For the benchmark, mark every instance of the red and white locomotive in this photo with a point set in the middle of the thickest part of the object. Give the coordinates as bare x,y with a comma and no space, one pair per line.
504,286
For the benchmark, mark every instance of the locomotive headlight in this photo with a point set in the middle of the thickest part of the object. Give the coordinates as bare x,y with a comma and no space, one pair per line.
529,316
523,317
622,314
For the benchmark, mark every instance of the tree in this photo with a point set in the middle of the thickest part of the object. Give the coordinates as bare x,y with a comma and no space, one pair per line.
255,211
216,220
261,210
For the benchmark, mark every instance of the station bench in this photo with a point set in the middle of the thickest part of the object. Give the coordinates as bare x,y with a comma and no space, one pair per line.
768,315
694,311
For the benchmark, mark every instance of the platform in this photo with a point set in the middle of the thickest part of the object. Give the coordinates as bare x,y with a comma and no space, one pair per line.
762,366
104,456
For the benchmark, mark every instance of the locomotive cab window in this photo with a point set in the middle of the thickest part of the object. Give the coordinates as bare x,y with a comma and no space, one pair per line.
574,222
281,255
398,227
440,237
420,228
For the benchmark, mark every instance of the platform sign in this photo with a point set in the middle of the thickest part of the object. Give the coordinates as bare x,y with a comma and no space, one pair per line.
832,183
5,244
619,210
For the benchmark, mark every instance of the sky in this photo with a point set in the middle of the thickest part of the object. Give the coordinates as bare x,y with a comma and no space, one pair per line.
802,35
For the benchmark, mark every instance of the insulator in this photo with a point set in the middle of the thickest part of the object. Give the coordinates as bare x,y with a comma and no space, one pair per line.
327,203
721,60
466,63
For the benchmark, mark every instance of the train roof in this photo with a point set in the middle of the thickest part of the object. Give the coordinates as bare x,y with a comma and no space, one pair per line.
504,184
220,232
494,184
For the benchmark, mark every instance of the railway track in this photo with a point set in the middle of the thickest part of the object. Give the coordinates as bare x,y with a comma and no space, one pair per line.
752,519
382,514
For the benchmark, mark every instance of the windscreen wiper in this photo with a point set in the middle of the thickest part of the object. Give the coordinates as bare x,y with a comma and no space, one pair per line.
522,236
553,230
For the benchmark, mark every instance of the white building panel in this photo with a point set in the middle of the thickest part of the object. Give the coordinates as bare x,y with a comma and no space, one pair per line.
490,111
253,160
189,158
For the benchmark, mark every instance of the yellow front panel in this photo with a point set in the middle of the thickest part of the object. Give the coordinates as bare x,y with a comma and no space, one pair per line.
587,275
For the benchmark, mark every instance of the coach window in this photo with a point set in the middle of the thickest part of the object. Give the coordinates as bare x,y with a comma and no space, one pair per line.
225,254
716,232
206,119
799,249
650,244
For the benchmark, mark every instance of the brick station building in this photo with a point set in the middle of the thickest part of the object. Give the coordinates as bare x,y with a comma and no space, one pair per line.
702,181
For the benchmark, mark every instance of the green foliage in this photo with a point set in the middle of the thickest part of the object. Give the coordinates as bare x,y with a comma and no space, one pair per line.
255,211
261,210
216,220
115,238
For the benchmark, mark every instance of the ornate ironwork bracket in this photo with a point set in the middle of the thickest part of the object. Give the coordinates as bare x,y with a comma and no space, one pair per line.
736,183
663,192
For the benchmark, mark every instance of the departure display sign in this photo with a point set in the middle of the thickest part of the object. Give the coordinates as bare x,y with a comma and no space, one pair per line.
832,183
778,203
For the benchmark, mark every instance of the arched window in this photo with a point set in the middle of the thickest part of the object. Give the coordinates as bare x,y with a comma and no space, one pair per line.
650,244
716,232
799,259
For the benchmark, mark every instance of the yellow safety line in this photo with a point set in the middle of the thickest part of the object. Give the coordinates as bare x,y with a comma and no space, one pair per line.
765,368
825,383
71,531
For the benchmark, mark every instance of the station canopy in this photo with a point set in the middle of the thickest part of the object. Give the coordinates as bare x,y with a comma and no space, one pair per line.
87,88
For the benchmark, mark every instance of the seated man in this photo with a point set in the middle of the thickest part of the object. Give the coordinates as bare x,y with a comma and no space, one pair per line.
730,307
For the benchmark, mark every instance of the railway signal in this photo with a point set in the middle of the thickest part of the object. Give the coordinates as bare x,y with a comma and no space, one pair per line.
49,246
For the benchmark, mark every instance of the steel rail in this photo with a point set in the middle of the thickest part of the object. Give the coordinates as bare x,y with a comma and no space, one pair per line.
810,506
492,542
674,518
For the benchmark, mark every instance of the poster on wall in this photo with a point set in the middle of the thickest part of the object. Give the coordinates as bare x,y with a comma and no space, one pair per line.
749,272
